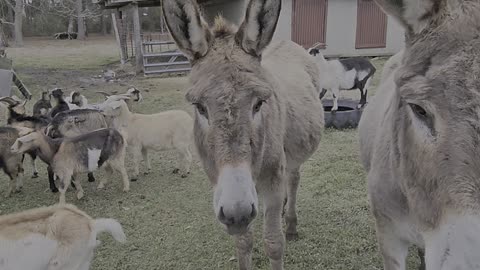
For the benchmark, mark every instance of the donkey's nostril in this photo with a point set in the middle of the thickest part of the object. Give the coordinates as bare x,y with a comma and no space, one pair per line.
254,212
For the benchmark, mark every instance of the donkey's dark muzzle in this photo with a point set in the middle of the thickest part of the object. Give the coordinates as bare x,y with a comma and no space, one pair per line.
237,221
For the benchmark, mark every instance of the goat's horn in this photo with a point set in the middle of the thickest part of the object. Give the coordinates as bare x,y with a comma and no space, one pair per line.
9,100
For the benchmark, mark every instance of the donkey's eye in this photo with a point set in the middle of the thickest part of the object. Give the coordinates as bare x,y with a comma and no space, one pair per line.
201,109
258,106
419,111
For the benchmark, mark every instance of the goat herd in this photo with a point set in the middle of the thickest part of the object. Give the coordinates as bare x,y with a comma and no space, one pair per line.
258,118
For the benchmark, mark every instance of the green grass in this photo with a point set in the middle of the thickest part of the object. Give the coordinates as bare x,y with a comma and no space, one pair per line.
169,221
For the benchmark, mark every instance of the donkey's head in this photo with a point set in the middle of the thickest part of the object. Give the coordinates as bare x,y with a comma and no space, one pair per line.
438,106
231,93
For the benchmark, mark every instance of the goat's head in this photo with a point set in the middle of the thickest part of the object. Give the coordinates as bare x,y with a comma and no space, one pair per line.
115,110
46,96
134,94
57,94
14,105
28,140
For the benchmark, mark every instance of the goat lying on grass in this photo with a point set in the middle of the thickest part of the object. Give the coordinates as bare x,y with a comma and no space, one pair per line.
161,131
344,74
69,157
59,237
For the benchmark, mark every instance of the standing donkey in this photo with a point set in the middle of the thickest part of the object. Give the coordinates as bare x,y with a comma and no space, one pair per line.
258,117
420,138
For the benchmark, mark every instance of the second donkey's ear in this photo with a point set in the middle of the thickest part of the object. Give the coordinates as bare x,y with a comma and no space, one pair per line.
415,15
187,27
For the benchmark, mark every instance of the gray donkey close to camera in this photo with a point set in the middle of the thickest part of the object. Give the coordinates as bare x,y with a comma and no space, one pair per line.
420,138
258,117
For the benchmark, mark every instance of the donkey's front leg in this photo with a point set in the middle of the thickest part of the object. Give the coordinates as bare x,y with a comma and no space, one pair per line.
393,249
244,244
273,234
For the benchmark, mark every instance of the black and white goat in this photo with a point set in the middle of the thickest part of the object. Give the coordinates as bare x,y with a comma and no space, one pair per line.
81,154
43,105
60,103
344,74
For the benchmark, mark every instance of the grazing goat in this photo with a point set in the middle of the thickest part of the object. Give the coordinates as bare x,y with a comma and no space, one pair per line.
11,163
161,131
69,157
43,105
17,118
60,237
60,103
344,74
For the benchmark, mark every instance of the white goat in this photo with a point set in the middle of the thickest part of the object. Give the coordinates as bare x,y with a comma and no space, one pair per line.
59,237
161,131
344,74
78,101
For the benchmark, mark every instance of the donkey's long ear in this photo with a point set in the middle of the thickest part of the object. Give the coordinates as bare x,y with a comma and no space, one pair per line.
187,27
256,31
415,15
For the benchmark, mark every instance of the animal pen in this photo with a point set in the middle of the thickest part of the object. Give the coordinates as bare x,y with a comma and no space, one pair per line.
152,53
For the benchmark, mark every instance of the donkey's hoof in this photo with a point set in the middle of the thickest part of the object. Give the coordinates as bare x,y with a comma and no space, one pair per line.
101,186
35,175
184,175
91,179
292,236
176,170
146,173
134,179
126,189
54,190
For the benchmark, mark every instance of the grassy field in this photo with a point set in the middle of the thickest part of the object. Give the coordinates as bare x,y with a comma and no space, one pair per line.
168,220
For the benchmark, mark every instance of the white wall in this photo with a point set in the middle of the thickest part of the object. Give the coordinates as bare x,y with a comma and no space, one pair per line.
341,30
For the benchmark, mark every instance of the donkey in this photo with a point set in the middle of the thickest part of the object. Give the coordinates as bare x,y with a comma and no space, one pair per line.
420,138
258,117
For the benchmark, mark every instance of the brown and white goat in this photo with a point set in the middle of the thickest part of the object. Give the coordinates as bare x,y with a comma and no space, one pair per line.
59,237
11,163
69,157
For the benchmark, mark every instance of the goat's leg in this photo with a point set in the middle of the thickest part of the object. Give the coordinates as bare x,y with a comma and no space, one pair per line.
291,211
364,93
91,178
244,244
186,159
146,160
336,94
33,159
13,182
274,239
119,166
64,183
80,192
394,250
51,180
104,180
136,151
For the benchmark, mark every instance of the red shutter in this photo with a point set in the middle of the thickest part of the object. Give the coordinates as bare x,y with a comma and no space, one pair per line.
309,22
371,26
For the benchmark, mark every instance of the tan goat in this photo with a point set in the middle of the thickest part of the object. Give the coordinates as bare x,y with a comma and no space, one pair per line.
59,237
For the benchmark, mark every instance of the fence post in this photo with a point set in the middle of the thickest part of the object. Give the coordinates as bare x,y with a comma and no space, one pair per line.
137,36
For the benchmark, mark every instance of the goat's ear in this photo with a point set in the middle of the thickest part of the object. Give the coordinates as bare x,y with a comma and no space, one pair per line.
187,27
256,31
415,15
22,131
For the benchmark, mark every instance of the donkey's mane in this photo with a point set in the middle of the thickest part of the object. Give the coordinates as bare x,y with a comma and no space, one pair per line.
221,27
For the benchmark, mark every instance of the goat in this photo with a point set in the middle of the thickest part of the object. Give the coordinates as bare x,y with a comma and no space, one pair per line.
60,103
133,94
17,118
81,154
11,163
57,237
161,131
74,123
344,74
78,101
43,105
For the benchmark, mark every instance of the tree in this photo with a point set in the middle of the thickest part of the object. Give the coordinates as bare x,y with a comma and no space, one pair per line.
80,20
19,10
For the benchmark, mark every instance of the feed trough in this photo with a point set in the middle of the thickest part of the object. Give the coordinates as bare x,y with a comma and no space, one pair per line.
347,115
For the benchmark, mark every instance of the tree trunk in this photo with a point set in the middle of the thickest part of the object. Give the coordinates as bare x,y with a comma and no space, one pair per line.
80,20
18,23
71,24
3,37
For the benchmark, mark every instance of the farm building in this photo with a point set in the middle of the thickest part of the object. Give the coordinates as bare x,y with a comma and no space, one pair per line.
345,27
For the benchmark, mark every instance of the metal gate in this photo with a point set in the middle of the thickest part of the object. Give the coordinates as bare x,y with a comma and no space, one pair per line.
309,22
371,26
